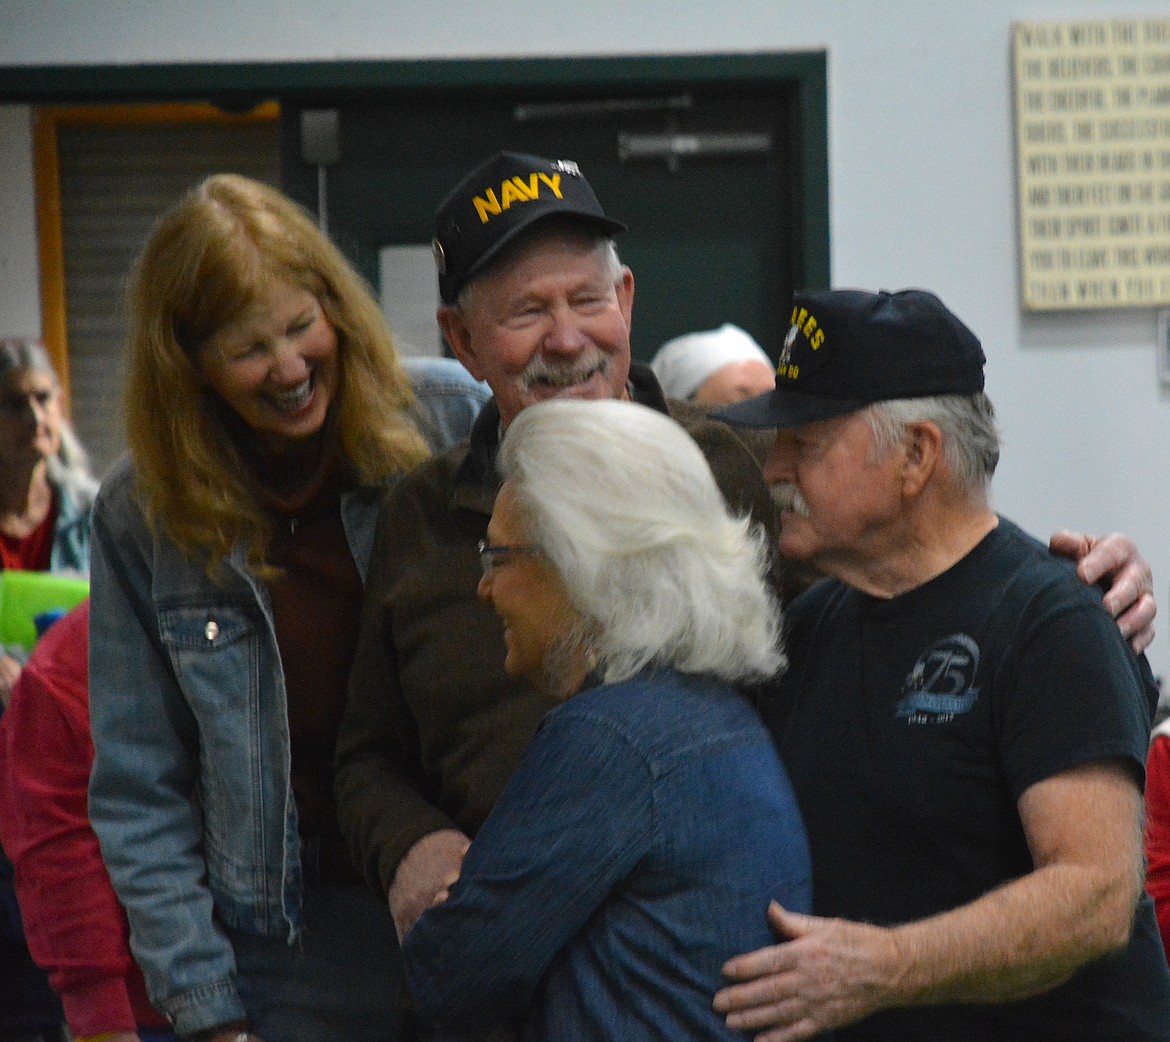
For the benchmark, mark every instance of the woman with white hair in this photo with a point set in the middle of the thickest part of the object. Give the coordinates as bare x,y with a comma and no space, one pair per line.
650,821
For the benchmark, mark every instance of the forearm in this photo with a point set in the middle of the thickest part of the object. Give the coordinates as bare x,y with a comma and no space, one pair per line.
1019,940
83,944
461,987
1024,938
473,958
1077,904
551,852
159,873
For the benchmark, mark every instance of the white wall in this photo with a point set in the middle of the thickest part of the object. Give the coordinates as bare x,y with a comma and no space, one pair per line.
922,185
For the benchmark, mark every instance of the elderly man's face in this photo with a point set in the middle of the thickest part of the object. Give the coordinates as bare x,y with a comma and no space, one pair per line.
837,498
548,322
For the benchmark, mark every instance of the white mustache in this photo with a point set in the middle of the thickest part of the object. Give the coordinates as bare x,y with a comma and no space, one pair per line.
564,374
788,499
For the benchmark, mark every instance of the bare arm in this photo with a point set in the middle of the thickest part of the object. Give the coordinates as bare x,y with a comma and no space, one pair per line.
1083,829
1130,598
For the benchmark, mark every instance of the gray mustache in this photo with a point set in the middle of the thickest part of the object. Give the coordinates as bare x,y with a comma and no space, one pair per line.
563,374
788,499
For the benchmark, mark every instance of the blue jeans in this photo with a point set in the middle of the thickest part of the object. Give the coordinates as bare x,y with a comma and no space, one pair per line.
341,982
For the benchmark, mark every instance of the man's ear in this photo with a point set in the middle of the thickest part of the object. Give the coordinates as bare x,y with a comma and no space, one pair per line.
923,453
458,336
625,293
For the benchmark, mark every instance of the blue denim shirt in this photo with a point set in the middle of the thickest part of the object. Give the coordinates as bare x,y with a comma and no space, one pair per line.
190,794
633,852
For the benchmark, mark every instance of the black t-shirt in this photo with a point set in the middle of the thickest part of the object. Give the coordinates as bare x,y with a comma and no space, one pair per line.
911,726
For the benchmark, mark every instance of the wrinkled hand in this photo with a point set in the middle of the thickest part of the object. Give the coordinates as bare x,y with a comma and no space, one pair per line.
831,972
9,670
1130,599
425,875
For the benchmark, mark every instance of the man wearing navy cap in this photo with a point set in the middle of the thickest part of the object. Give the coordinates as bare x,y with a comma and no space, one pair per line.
536,302
963,724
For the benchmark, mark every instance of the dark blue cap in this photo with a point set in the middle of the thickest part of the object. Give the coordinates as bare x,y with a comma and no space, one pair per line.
847,349
498,200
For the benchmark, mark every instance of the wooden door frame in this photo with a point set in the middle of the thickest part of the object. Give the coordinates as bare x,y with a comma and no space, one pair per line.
47,123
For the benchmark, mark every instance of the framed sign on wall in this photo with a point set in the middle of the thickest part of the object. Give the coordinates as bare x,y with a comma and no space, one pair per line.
1092,106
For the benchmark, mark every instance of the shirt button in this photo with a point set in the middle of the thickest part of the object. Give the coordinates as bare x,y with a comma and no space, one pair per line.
211,630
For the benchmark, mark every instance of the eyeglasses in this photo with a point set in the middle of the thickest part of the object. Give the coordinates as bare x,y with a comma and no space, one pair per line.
492,556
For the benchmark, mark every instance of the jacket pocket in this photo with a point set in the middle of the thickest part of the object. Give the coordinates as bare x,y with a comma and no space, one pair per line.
215,653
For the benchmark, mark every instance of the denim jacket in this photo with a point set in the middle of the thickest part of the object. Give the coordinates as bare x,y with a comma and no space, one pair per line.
190,794
75,496
633,852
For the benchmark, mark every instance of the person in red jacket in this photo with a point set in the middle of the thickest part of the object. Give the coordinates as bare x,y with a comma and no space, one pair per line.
76,929
1157,839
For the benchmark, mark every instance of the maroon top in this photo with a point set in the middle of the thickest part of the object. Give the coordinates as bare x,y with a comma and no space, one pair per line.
316,607
30,553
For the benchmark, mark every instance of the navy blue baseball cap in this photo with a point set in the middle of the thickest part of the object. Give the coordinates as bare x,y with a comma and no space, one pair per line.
497,201
847,349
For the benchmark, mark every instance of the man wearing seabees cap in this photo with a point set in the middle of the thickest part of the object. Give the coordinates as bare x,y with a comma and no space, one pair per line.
963,723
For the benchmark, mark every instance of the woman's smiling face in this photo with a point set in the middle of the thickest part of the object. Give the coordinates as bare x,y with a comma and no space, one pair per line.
277,366
527,594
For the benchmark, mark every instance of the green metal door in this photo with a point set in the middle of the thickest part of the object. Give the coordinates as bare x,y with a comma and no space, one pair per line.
708,165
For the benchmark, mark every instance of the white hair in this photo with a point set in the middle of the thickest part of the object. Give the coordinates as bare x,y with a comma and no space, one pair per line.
70,466
551,228
621,501
967,422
